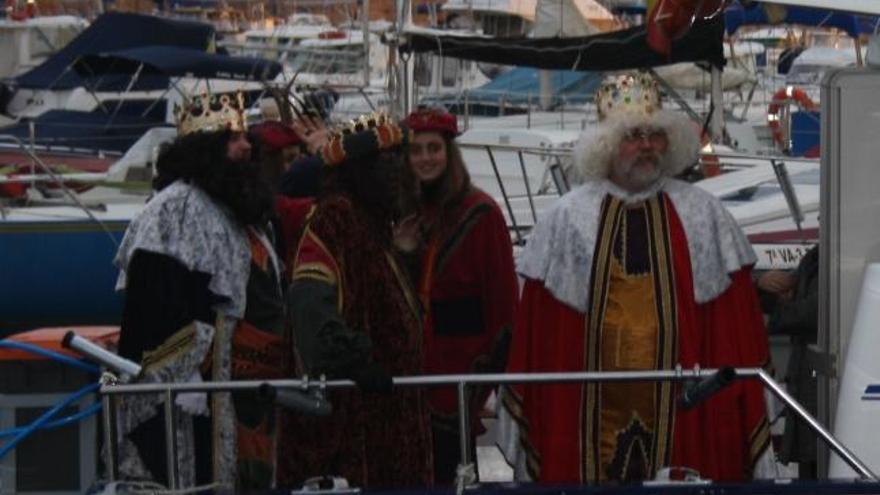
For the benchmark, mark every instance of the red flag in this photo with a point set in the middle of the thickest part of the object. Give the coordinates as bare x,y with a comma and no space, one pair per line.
669,20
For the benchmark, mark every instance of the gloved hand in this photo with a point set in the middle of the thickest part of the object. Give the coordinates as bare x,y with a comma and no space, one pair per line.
373,378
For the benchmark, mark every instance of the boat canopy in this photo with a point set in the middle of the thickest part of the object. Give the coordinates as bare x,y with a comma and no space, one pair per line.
736,16
522,86
110,32
97,130
174,61
616,50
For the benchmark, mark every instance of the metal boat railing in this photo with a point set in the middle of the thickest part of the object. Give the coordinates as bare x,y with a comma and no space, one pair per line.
59,181
554,180
110,390
523,208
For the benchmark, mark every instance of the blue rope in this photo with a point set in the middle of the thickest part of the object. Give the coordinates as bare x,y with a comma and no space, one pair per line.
73,418
46,416
22,346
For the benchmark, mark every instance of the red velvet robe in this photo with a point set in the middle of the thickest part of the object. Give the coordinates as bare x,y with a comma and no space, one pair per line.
469,286
373,440
292,213
721,438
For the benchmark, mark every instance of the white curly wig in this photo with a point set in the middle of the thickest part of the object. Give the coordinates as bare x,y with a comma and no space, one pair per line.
595,151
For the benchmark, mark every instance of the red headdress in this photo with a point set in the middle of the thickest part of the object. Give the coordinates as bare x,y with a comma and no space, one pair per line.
432,119
364,137
274,135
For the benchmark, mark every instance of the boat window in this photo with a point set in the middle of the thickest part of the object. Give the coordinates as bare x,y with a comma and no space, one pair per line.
449,76
346,59
504,25
422,69
490,25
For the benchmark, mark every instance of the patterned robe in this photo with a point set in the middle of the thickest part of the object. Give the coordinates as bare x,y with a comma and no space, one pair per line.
469,289
620,282
203,300
352,308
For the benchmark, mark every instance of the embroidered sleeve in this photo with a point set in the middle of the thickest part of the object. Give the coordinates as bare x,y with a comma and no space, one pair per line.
314,261
324,342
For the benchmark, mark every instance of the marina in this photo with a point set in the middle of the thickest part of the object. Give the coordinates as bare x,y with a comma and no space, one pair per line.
783,96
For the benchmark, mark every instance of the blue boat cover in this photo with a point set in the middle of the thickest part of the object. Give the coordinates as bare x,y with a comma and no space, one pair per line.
110,32
736,15
521,86
174,61
87,130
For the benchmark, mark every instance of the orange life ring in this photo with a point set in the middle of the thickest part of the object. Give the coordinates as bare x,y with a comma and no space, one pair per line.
781,97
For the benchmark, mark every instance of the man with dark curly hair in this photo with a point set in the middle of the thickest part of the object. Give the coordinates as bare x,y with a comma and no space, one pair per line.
203,300
355,315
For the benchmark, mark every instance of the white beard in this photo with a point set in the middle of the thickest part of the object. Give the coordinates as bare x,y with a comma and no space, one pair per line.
640,178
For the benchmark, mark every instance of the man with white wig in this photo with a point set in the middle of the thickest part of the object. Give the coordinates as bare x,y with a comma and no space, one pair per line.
635,270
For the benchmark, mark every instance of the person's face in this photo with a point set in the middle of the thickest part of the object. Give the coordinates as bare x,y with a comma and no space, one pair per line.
427,156
238,149
638,158
375,182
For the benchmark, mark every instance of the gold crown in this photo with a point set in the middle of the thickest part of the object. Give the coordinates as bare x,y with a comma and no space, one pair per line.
362,137
363,123
210,113
634,93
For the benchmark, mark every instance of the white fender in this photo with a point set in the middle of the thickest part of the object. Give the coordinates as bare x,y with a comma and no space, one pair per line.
858,404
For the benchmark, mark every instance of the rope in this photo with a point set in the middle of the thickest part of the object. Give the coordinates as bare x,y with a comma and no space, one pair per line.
46,416
465,475
73,418
61,358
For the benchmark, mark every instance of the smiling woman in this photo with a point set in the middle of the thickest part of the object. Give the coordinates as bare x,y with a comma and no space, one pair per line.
462,263
427,156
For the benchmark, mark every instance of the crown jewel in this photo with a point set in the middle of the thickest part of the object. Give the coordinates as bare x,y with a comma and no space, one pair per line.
634,93
210,113
364,122
362,137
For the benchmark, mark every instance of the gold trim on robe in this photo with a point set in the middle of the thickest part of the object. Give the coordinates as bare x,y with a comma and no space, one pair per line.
627,427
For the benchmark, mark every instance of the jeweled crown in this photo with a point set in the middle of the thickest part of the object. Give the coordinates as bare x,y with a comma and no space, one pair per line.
633,93
363,123
362,137
211,112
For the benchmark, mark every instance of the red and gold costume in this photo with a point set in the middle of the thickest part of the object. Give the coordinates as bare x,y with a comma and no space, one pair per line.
187,267
354,309
616,281
469,286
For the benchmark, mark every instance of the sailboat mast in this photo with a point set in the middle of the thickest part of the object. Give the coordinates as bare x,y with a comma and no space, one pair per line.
365,16
717,96
400,80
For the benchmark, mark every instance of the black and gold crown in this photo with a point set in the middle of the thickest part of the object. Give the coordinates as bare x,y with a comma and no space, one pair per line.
362,137
210,113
